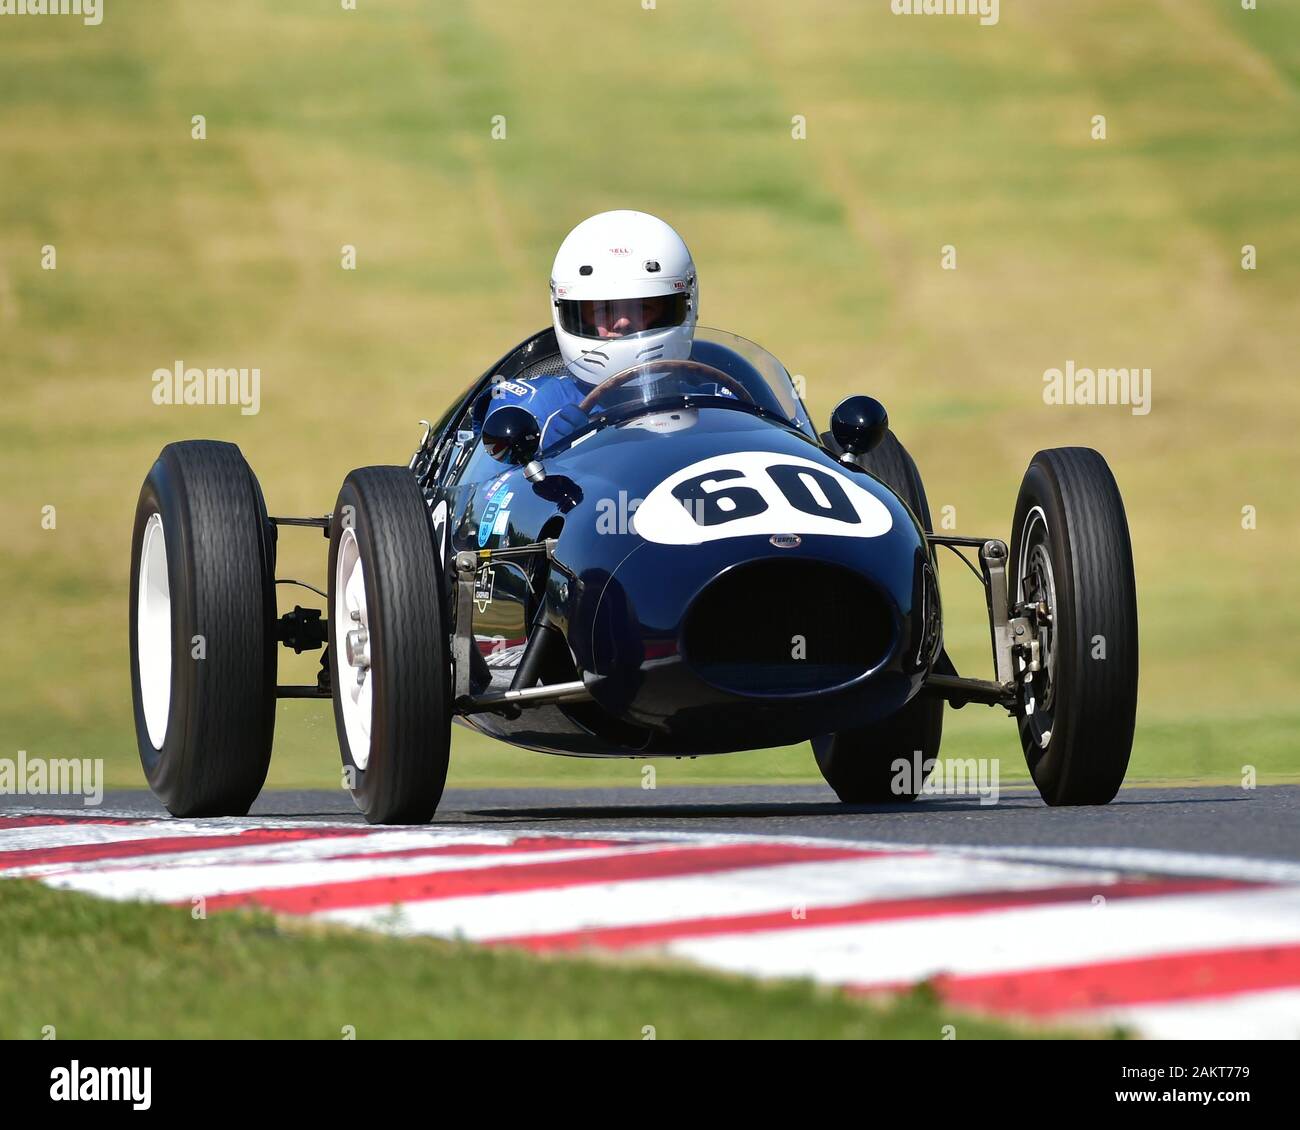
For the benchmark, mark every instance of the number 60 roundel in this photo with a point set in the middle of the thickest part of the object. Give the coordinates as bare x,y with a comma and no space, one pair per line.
758,492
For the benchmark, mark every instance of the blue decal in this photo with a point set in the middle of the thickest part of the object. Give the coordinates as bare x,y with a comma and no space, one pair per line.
496,499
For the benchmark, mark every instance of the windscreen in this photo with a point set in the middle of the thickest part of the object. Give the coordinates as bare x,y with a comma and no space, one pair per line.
722,366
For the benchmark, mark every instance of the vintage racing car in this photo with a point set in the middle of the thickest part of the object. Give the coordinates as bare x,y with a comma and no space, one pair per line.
693,570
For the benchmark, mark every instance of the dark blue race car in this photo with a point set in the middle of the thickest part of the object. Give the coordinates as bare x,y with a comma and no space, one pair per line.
686,567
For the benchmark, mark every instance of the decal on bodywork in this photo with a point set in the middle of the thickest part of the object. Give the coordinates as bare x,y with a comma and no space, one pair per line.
758,492
495,514
483,585
440,529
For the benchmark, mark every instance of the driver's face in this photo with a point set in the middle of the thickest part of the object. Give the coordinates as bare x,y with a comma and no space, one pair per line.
631,315
617,327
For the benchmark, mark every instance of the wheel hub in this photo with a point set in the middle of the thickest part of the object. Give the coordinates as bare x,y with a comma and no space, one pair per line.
1036,604
358,648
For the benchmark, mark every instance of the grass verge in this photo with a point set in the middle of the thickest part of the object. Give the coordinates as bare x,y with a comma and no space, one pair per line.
95,969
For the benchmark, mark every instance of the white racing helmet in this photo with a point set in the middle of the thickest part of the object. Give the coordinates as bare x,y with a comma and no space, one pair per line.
623,292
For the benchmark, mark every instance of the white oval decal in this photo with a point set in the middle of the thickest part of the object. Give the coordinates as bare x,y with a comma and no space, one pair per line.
758,492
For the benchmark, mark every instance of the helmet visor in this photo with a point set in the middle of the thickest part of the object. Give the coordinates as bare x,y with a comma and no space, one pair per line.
621,317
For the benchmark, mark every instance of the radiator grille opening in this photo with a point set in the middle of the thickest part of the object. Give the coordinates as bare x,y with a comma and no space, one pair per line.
786,627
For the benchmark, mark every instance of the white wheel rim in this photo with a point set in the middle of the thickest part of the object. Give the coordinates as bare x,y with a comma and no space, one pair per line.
352,677
153,632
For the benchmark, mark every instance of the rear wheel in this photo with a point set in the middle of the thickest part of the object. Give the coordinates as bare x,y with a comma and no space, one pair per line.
1071,569
203,648
859,763
392,692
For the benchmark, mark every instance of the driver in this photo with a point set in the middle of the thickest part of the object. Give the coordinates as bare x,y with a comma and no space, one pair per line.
623,292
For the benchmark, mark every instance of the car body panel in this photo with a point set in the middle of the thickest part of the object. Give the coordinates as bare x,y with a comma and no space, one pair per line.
753,529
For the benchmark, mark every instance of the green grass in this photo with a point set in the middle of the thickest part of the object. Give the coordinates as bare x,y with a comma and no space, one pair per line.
372,128
93,969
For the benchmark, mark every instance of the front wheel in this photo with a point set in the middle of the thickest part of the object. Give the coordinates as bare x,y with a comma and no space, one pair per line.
389,653
203,647
886,762
1071,571
861,763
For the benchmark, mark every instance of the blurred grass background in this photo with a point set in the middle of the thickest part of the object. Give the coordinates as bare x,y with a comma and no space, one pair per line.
373,128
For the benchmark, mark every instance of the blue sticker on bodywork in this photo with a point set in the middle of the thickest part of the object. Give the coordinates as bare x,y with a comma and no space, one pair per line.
496,499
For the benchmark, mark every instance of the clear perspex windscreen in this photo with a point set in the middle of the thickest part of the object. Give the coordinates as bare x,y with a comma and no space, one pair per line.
724,366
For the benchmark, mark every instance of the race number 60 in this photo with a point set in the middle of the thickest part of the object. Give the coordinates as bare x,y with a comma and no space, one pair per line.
715,497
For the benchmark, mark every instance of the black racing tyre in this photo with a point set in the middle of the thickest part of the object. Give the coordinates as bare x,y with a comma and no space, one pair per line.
858,763
203,647
389,652
1070,549
890,462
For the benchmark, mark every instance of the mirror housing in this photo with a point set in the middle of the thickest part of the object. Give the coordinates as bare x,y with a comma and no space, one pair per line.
859,423
512,435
